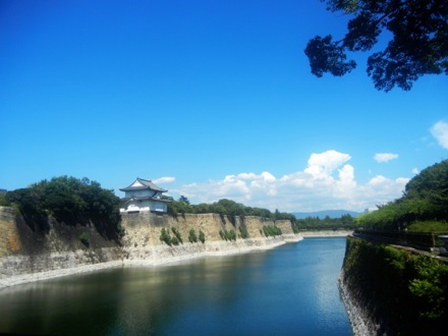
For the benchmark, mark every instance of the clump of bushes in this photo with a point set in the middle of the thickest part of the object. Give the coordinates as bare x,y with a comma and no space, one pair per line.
177,235
271,231
192,238
166,237
202,236
410,289
243,232
228,235
85,238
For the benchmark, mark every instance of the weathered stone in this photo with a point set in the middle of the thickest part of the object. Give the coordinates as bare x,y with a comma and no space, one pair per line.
27,255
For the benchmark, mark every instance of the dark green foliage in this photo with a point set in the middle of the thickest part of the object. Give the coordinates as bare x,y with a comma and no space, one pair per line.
325,55
175,241
85,238
406,292
69,200
428,226
345,222
165,236
184,199
271,231
228,235
231,235
425,201
418,32
177,235
3,201
224,207
192,238
167,239
182,206
29,203
201,236
243,232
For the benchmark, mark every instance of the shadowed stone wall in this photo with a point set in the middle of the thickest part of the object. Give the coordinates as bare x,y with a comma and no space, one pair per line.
27,249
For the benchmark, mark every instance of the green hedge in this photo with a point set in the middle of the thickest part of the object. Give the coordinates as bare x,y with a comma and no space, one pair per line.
407,293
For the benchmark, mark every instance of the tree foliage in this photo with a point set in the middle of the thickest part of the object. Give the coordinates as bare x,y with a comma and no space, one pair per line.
69,200
271,231
224,207
425,200
192,238
406,292
345,222
418,45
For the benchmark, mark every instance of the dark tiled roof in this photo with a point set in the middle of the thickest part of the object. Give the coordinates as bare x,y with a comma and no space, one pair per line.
146,184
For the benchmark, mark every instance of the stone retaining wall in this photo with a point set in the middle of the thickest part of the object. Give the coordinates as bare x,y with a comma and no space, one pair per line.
9,239
25,249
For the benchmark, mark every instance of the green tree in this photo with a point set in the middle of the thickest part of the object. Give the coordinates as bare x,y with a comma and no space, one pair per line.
418,44
165,236
184,199
202,236
69,200
192,238
425,200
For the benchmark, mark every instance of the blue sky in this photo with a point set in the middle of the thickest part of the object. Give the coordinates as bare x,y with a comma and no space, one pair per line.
210,99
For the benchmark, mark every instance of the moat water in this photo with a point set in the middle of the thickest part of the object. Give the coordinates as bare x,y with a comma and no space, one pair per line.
289,290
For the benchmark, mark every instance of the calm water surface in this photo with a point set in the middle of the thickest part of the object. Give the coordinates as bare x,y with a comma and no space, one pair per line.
290,290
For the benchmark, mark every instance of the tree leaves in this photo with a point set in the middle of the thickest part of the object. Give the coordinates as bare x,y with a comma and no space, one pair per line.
418,44
68,200
327,56
425,200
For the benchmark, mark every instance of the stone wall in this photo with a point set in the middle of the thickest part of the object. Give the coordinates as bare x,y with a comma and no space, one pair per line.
9,238
26,249
397,307
144,228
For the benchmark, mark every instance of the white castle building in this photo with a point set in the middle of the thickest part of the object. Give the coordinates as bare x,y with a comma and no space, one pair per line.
143,195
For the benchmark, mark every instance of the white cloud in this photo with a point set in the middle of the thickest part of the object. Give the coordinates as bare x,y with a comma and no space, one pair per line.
385,157
323,164
164,180
328,182
440,132
415,171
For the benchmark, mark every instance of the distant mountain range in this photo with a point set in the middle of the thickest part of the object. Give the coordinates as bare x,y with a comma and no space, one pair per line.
324,213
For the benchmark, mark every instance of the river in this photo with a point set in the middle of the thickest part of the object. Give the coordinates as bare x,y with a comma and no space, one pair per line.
289,290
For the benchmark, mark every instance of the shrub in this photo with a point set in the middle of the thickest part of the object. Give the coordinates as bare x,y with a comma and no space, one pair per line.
231,235
270,230
177,234
243,232
228,235
202,236
192,238
165,236
85,238
175,241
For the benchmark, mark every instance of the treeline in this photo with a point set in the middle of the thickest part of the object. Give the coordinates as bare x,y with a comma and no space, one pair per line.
80,201
69,200
345,222
223,207
423,206
230,209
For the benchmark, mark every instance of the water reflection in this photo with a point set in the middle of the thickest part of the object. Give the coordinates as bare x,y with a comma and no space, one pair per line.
279,291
